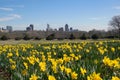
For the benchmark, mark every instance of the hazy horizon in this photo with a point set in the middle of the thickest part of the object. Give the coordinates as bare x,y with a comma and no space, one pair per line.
79,14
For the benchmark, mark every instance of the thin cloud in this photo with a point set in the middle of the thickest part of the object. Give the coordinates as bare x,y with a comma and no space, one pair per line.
97,18
116,7
16,6
10,17
16,16
6,9
10,8
20,6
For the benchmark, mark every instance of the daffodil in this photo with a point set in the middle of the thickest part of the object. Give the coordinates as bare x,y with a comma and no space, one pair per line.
9,55
68,70
13,66
24,72
33,77
42,66
74,75
94,76
112,49
83,71
115,78
26,65
50,77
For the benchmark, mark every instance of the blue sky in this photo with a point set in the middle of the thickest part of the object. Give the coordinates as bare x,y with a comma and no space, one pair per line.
79,14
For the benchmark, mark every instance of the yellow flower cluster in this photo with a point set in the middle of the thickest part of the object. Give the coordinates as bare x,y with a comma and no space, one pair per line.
115,78
112,63
33,77
83,71
94,76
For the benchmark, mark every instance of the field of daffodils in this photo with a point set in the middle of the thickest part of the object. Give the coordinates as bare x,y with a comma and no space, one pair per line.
85,60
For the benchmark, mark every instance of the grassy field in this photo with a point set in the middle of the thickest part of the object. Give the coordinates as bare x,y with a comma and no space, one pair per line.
60,60
38,41
47,41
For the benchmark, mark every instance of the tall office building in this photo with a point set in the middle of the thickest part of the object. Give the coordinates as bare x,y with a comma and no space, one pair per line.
66,27
48,27
0,29
61,29
71,29
28,29
9,28
32,27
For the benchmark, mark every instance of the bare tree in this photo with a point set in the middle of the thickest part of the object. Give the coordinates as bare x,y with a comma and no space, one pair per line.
115,23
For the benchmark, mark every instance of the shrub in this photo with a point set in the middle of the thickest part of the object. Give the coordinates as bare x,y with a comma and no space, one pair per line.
60,38
4,37
94,36
18,38
71,37
50,37
83,37
37,38
26,37
111,37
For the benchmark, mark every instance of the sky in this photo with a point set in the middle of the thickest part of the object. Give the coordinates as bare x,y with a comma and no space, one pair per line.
79,14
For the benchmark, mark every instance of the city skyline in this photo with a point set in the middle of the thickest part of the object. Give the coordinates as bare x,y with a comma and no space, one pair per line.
31,27
79,14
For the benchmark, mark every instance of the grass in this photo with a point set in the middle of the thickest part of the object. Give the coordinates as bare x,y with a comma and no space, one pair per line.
12,42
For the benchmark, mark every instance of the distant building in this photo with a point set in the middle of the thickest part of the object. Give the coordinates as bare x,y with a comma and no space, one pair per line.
71,29
75,30
48,28
61,29
30,28
66,27
0,29
9,28
55,29
5,30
